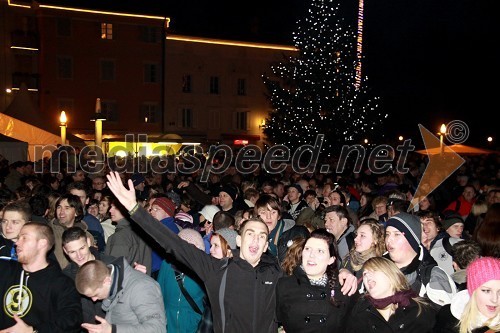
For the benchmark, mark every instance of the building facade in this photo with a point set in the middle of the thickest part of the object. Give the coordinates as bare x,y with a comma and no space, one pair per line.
148,80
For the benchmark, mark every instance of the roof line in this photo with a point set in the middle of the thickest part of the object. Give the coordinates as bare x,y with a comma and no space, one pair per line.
230,43
92,11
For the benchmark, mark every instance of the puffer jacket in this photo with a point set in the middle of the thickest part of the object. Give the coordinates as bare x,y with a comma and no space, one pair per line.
428,279
135,304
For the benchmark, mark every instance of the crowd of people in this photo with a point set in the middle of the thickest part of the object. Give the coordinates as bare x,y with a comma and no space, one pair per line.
249,252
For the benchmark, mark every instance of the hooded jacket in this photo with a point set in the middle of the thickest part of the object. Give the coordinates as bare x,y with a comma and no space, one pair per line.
90,308
428,279
126,242
7,249
242,297
135,303
289,232
49,300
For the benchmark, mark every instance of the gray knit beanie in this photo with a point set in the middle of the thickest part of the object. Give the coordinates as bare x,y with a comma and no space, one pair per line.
229,235
410,226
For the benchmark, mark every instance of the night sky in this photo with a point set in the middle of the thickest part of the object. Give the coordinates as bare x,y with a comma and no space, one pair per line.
429,60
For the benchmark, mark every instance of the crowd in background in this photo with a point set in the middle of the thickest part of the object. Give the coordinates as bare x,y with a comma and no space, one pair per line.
337,251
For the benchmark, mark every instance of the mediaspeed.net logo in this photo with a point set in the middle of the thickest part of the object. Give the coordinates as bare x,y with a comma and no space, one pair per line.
443,161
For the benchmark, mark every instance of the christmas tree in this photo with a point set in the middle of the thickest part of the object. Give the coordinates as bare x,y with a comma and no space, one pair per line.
315,92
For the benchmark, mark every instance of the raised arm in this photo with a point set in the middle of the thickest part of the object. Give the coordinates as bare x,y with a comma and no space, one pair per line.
188,254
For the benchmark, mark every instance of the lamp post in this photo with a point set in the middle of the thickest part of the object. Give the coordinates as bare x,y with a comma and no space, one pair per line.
262,124
98,118
63,120
442,133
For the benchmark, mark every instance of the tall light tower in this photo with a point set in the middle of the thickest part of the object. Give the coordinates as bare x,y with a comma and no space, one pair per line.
359,44
98,118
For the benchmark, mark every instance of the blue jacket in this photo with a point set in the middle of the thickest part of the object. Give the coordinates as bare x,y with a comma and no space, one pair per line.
181,318
156,256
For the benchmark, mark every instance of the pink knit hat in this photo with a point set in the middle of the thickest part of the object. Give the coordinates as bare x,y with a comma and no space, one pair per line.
481,271
184,217
193,237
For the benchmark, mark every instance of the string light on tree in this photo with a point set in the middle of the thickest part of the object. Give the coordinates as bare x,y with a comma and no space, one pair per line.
314,92
359,46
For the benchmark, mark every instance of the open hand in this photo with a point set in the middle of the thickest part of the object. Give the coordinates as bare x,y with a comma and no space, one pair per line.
19,327
348,281
126,197
140,268
102,327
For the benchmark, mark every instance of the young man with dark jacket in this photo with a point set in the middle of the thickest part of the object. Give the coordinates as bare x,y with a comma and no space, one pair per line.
37,296
242,289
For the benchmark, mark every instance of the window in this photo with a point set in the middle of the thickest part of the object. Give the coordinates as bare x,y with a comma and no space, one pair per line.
107,69
64,27
106,31
241,88
66,104
242,120
214,85
187,118
109,110
151,73
186,83
214,119
150,112
150,34
64,67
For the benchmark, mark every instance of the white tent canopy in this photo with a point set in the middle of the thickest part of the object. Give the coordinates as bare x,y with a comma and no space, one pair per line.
21,120
33,135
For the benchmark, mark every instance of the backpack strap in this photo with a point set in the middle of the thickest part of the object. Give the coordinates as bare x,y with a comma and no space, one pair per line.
349,238
447,245
179,277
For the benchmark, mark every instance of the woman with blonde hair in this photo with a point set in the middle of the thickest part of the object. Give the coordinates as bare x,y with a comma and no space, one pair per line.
53,198
379,205
390,305
476,309
368,243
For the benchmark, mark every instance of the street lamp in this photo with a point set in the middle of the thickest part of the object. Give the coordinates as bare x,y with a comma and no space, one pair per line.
262,124
442,133
98,118
63,120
